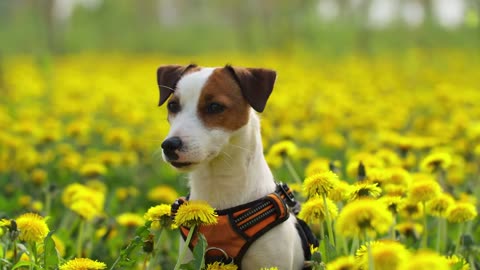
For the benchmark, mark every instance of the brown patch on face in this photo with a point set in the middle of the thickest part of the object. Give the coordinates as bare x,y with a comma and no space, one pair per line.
222,89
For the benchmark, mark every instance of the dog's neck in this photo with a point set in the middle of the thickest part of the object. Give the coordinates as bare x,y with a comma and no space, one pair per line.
239,174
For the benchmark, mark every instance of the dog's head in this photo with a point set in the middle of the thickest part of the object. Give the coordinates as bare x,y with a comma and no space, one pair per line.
206,106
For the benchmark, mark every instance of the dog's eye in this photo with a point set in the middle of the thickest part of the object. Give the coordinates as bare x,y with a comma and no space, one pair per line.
213,108
173,107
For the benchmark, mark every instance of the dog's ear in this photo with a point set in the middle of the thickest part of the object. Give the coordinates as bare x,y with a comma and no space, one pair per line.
167,79
256,84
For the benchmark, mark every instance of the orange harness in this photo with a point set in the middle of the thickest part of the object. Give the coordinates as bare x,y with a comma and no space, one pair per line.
238,227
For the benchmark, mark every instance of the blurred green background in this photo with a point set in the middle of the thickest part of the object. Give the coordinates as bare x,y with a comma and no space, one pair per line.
191,27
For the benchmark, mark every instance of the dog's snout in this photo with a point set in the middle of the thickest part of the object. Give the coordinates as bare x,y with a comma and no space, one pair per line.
172,144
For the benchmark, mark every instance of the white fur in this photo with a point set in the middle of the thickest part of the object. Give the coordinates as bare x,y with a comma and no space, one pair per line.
230,170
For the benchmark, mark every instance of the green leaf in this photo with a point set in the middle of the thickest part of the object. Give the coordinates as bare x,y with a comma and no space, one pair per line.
50,252
199,252
22,264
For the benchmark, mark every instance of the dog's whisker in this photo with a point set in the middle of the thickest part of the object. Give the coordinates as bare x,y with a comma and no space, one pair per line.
240,147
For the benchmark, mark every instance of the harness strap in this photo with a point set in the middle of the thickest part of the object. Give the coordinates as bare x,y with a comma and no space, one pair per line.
238,227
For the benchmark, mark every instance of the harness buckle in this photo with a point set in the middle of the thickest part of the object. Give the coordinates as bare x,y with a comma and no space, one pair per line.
287,193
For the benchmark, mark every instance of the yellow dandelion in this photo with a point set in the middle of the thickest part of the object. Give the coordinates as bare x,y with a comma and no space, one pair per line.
409,229
32,227
423,191
410,209
70,191
320,184
427,260
314,211
284,148
436,161
85,210
379,176
317,166
93,170
340,192
221,266
342,263
439,205
456,262
130,220
83,264
386,255
195,213
392,202
399,176
159,215
364,190
38,176
162,194
461,212
364,216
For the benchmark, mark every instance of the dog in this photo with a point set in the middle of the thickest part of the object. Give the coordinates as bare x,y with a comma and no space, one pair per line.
215,136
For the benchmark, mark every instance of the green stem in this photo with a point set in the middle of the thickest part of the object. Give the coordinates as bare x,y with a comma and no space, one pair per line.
156,251
371,265
459,238
354,246
48,202
424,243
80,238
392,228
329,222
292,170
441,234
185,247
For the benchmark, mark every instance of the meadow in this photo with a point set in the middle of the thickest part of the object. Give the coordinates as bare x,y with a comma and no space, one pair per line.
383,151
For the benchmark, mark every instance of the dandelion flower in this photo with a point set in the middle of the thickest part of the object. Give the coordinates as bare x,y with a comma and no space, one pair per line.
320,184
314,211
427,260
159,215
410,209
221,266
364,189
340,192
32,227
422,191
284,148
317,166
385,254
456,262
85,210
392,202
130,220
83,264
438,206
162,194
436,161
38,176
461,212
193,213
93,170
342,263
410,229
364,216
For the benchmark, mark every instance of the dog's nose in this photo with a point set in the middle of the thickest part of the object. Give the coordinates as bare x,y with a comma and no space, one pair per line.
172,144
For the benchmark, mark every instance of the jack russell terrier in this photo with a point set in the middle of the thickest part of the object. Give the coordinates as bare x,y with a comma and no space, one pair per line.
215,136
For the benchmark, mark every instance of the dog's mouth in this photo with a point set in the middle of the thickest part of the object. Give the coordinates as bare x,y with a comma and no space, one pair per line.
180,164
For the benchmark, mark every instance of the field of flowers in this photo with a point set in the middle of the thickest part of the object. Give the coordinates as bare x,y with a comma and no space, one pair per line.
384,151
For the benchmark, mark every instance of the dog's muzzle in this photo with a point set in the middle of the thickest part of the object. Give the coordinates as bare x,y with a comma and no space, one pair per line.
170,146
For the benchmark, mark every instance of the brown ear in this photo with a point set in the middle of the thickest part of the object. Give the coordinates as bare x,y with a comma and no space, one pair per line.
256,84
167,79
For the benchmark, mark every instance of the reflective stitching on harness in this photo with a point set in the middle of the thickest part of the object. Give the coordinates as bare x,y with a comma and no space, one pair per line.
252,212
255,220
